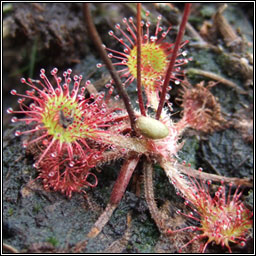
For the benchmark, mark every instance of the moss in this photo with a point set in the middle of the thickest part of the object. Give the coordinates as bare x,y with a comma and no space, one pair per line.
207,11
204,59
189,150
249,198
52,240
145,236
225,152
36,208
10,211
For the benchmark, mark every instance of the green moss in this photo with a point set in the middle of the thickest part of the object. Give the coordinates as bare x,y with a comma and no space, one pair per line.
195,20
249,198
204,59
36,208
188,151
10,211
7,8
52,240
207,11
145,236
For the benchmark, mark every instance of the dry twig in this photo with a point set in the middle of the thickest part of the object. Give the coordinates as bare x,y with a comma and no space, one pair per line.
216,77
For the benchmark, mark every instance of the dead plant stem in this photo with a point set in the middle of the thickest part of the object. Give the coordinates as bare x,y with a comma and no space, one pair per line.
213,177
215,77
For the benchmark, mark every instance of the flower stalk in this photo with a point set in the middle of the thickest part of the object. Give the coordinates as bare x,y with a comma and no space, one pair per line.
98,43
139,41
173,59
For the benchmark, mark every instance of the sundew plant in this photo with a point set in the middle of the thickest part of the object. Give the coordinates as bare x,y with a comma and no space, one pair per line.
70,131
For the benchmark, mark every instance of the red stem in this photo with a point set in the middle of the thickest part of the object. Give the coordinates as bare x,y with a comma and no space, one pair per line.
123,179
173,59
120,185
139,41
94,36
